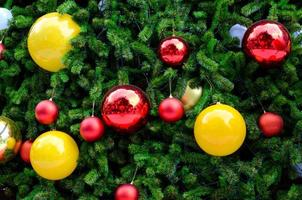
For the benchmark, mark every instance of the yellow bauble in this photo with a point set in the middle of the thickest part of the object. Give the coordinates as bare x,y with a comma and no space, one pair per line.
219,130
54,155
49,40
191,96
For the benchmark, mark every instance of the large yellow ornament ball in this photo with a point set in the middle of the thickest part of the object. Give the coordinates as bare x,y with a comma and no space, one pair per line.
49,40
220,130
54,155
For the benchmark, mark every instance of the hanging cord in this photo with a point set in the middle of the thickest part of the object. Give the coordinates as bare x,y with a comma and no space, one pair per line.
92,111
262,107
173,28
3,36
170,88
135,172
8,4
52,94
210,83
174,16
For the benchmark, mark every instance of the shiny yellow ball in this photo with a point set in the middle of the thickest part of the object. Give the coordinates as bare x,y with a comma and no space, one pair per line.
54,155
219,130
49,40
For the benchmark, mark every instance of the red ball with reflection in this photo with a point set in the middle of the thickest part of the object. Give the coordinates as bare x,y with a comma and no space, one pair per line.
125,108
126,192
267,42
92,129
2,49
171,110
46,112
270,124
173,51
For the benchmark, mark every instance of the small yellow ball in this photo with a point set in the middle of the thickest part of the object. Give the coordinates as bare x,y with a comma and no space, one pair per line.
220,130
49,40
11,143
54,155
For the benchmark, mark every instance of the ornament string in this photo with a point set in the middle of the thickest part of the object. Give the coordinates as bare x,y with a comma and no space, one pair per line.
3,36
52,94
8,4
173,28
262,107
170,88
134,175
174,15
209,82
92,111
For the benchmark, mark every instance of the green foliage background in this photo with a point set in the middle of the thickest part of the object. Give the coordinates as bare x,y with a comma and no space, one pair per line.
119,46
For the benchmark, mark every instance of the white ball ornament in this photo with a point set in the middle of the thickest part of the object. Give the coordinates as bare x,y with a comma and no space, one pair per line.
238,31
6,17
102,5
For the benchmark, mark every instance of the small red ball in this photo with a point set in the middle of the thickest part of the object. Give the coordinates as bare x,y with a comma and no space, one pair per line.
2,49
173,51
125,108
126,192
171,110
267,42
25,151
46,112
270,124
92,129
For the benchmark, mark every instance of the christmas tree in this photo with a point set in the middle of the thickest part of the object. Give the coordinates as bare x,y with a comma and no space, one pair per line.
118,45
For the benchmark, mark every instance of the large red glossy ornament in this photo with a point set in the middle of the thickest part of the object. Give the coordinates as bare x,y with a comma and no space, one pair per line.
25,151
125,108
171,110
270,124
92,129
46,112
126,192
173,51
2,49
267,42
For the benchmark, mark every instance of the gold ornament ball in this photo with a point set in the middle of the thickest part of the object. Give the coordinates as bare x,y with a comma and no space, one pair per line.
54,155
49,40
10,139
219,130
191,96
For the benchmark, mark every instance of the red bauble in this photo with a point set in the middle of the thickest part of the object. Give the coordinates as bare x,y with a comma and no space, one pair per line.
25,151
92,129
171,110
2,49
126,192
270,124
46,112
267,42
125,108
173,51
